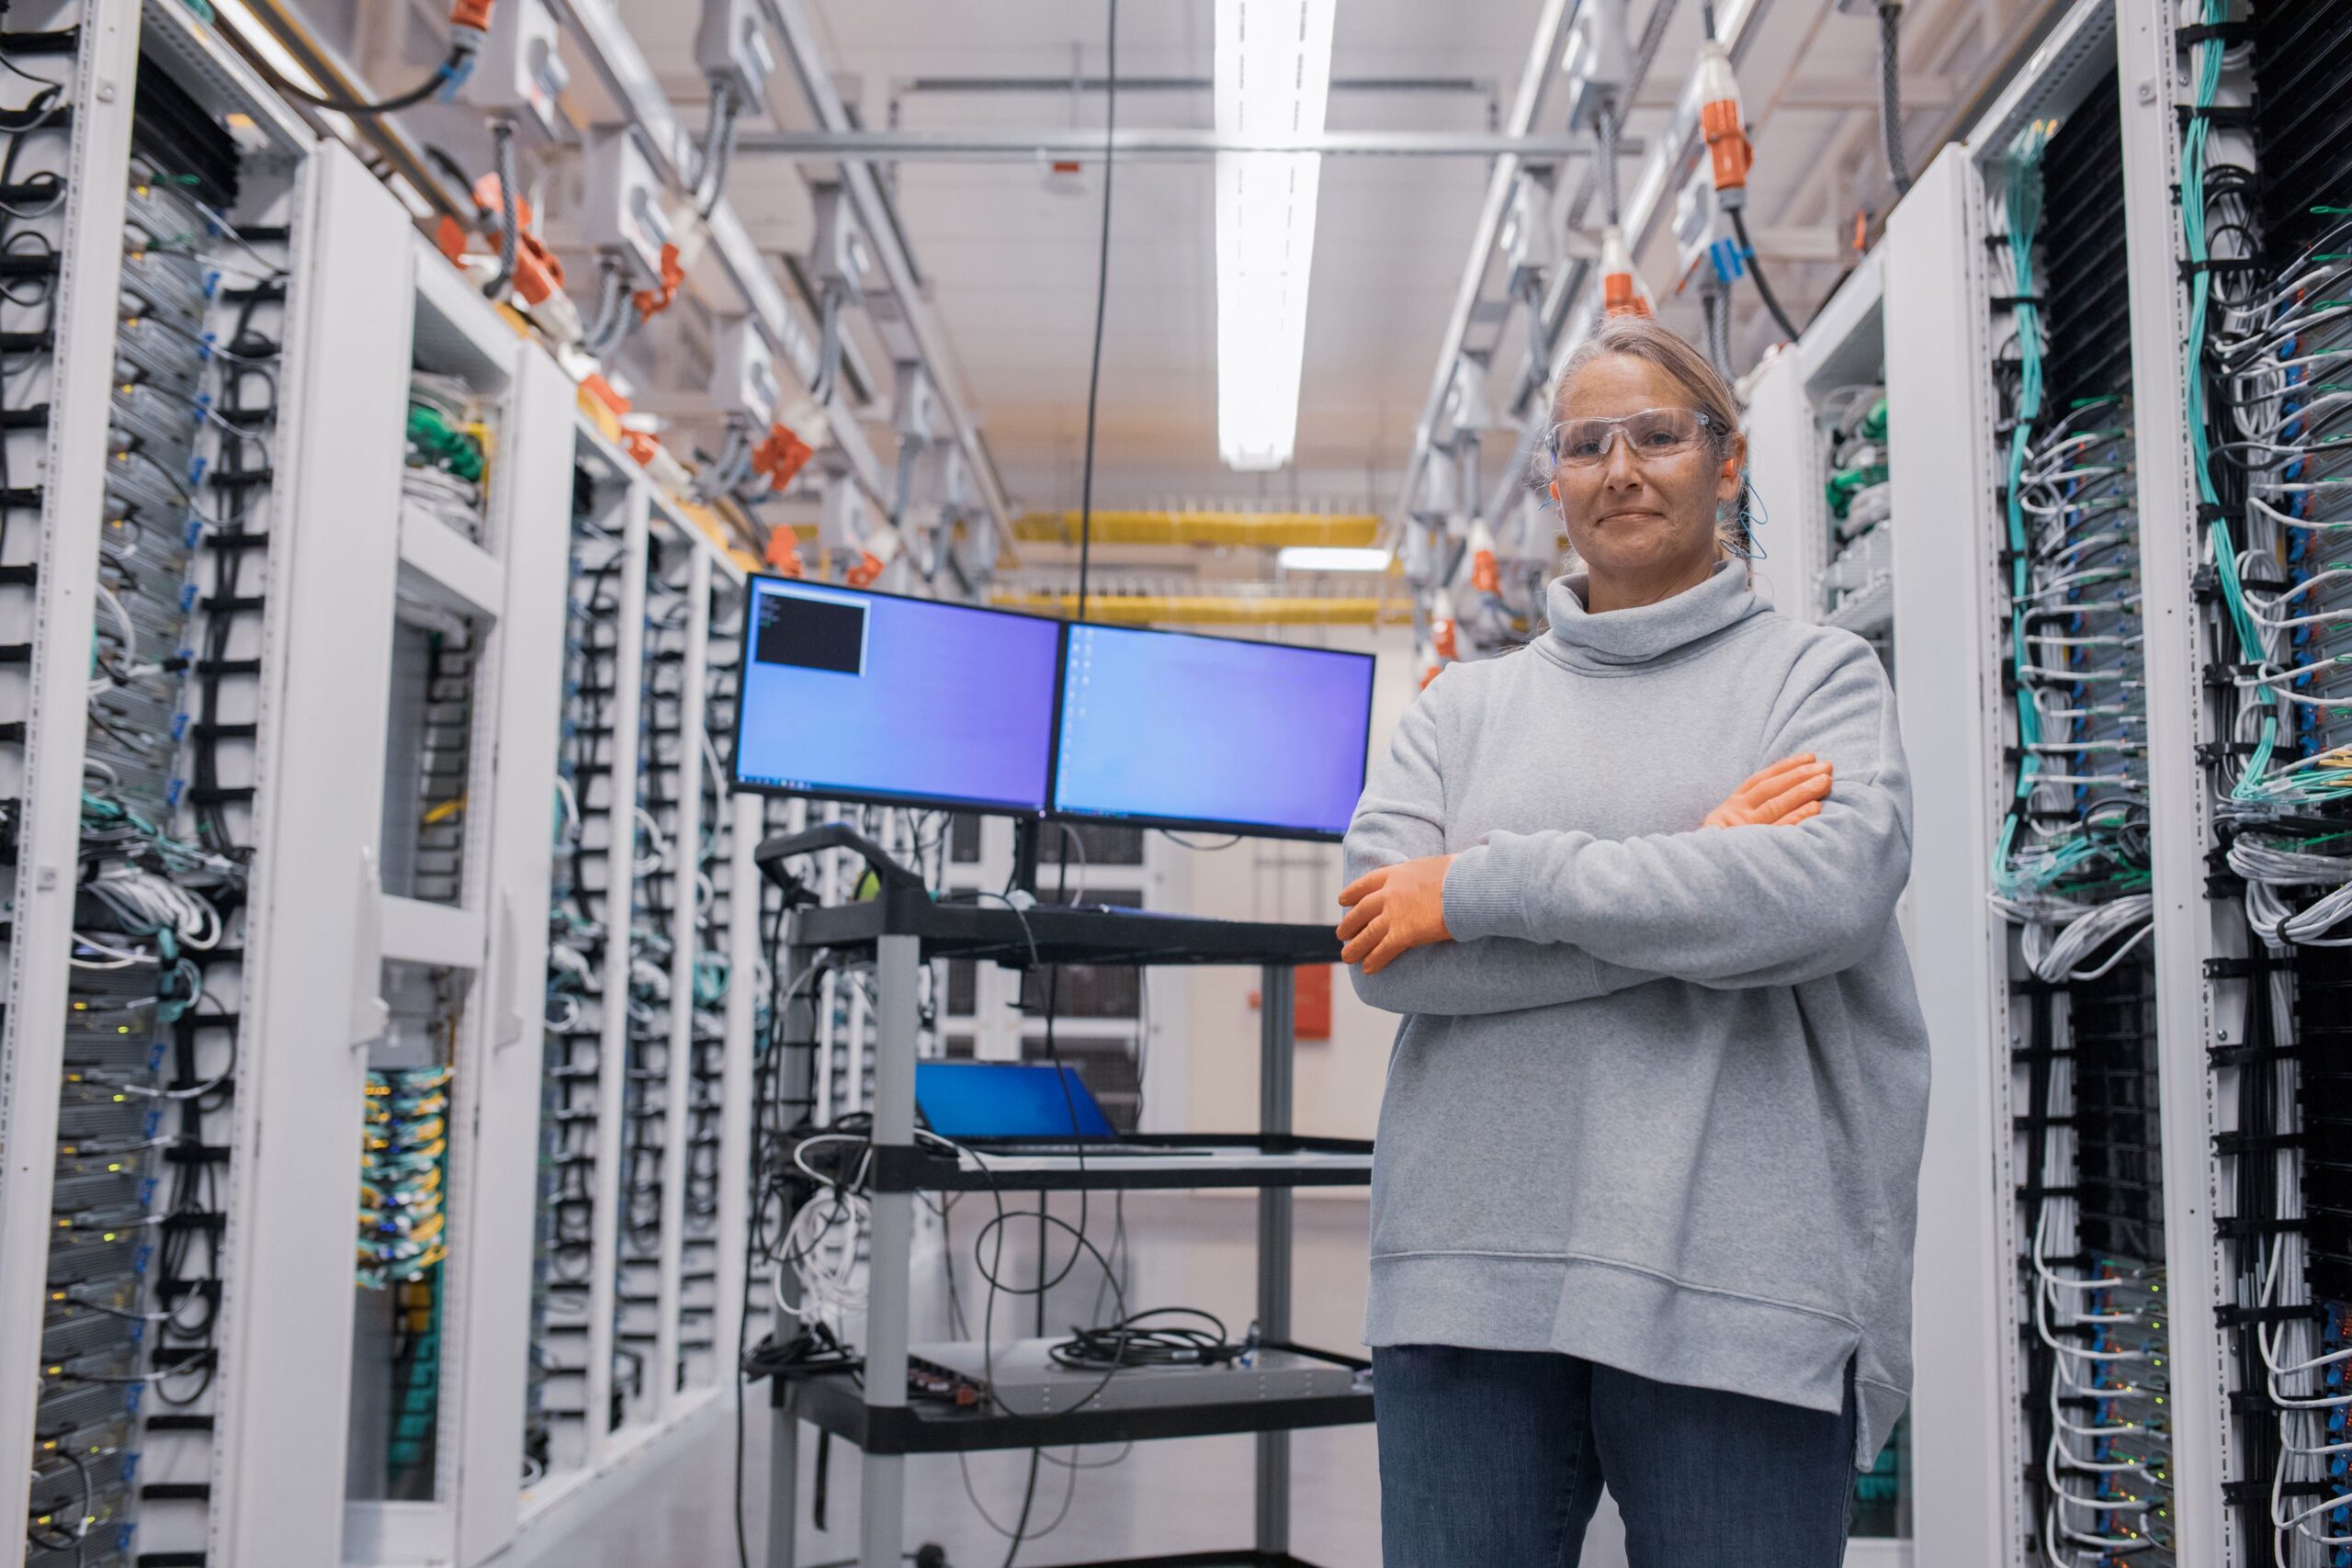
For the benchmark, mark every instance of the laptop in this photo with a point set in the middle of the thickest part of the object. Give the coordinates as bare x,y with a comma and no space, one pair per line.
1020,1107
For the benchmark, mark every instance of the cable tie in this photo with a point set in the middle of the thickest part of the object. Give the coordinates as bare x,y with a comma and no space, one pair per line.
2189,269
2226,116
2225,33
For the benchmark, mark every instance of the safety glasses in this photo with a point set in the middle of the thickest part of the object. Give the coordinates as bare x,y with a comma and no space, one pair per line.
1650,434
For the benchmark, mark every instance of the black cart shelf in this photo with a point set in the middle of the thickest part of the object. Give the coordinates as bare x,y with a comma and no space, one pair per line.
899,930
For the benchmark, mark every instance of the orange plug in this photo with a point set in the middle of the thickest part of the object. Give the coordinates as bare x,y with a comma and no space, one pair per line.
596,387
652,302
1486,573
780,456
641,445
1722,124
538,272
881,548
1620,290
474,14
782,551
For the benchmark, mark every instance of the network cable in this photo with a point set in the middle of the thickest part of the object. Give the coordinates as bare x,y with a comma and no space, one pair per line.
2267,336
2070,873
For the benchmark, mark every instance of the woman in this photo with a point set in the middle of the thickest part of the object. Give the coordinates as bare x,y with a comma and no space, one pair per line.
1649,1162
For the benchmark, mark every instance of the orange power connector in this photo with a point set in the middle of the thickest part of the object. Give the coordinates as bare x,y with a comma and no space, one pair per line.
652,302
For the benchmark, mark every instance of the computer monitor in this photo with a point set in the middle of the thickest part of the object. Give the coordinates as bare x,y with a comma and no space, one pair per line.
854,695
1008,1099
1171,730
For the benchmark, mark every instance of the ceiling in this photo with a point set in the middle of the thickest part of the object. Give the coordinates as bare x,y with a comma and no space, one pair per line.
1007,251
1010,249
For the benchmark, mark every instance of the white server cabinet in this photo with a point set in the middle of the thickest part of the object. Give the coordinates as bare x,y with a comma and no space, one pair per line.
47,618
428,965
1961,1319
1956,303
174,326
632,1302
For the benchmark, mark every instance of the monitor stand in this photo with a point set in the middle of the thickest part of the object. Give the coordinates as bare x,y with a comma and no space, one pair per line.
1026,833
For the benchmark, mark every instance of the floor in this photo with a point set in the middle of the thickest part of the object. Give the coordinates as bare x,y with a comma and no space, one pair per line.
1190,1495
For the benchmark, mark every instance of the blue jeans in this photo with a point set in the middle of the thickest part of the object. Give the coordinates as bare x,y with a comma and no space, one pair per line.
1495,1459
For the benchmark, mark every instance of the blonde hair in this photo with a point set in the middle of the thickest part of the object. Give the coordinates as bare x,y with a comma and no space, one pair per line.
1642,337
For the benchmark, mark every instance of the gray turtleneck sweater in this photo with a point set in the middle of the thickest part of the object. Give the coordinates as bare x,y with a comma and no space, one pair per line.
1661,1104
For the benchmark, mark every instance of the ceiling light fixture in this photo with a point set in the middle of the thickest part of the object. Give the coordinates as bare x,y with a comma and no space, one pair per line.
1274,78
1331,557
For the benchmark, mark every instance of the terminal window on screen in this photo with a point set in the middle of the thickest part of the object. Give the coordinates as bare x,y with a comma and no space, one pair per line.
810,634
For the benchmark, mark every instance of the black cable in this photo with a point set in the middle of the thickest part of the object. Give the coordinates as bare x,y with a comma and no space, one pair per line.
1755,270
1101,296
440,159
409,99
509,220
1134,1341
1028,1491
1890,93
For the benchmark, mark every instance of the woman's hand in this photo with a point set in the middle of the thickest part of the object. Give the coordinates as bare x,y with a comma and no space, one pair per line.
1393,910
1781,796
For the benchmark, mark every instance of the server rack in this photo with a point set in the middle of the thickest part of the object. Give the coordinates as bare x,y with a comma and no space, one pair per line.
2050,1190
1817,429
638,1224
150,340
2232,311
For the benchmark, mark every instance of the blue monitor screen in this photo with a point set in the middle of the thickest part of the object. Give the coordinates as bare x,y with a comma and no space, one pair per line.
1173,730
1007,1099
867,696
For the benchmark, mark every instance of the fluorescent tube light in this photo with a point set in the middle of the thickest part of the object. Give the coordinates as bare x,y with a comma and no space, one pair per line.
1330,557
1273,77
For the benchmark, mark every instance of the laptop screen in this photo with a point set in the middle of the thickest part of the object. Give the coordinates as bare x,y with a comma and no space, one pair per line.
1007,1099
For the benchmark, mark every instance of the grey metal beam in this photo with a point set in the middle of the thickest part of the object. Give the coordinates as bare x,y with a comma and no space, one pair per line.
991,142
1466,85
618,61
802,53
1534,81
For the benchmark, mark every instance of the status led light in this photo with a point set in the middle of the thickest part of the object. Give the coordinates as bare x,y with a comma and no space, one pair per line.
1274,78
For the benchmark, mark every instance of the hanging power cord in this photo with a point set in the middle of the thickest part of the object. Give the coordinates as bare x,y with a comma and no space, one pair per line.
1756,270
469,24
1890,93
1607,125
1715,304
1101,298
501,134
718,150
